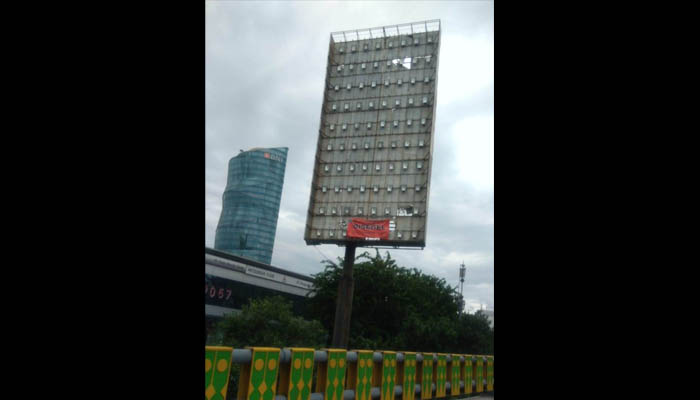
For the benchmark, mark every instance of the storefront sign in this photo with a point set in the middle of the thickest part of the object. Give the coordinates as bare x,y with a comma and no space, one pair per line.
278,277
259,272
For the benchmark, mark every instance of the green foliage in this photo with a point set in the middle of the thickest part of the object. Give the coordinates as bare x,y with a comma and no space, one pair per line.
400,309
474,334
268,322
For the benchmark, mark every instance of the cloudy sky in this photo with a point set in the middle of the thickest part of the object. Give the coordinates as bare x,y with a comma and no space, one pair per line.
265,71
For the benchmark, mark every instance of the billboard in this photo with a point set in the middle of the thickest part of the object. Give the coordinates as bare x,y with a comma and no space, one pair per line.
371,179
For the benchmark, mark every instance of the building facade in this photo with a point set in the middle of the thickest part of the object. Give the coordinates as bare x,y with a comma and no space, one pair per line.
251,203
375,143
230,282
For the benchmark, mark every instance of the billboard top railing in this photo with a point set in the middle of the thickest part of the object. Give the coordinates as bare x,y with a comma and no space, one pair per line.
386,31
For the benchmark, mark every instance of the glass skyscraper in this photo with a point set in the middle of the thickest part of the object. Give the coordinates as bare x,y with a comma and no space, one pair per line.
251,203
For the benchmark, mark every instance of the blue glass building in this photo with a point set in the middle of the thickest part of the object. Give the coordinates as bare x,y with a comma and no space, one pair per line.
251,204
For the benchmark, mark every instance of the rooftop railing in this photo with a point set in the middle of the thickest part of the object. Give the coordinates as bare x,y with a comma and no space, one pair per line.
386,31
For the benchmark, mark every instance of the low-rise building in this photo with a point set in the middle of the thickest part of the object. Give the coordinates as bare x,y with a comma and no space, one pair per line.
230,282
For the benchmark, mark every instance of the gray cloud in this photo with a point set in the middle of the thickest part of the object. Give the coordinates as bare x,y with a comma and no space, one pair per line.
265,69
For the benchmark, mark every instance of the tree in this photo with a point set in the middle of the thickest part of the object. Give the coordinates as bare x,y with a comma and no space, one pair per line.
265,322
268,322
397,308
474,334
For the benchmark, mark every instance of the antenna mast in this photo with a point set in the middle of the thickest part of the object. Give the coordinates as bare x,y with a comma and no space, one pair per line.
462,273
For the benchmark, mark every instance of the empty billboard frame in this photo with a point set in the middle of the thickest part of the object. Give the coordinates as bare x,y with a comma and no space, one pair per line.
371,179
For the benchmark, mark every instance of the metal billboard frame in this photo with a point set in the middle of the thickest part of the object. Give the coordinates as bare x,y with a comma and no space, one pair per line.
357,35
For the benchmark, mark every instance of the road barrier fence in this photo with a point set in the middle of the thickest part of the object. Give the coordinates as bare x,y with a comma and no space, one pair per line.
270,373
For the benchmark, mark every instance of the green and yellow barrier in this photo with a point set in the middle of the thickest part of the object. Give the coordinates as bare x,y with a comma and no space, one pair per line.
217,367
440,376
262,376
479,374
360,375
331,374
489,374
426,376
259,377
385,375
469,373
454,372
407,376
295,378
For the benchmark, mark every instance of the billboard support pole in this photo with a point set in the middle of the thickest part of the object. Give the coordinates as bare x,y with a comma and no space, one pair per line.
343,305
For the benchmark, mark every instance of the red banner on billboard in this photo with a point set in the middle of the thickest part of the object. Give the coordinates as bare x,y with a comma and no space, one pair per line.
368,228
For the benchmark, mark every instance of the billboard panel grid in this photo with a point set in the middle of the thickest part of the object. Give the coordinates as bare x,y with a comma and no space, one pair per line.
374,149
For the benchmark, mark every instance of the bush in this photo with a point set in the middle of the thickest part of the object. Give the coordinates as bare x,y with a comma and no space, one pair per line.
269,322
266,322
